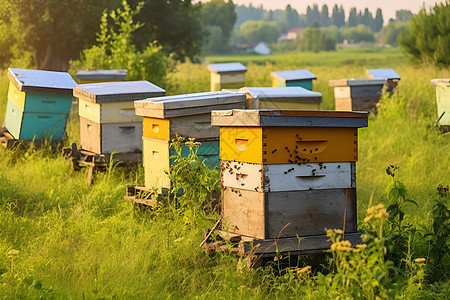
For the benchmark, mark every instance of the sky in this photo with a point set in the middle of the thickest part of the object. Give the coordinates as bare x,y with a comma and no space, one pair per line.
388,7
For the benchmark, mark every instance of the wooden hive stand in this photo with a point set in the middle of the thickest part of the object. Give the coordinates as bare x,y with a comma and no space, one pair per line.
286,176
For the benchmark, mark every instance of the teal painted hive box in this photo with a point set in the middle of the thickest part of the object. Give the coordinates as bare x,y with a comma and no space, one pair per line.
302,78
38,104
443,102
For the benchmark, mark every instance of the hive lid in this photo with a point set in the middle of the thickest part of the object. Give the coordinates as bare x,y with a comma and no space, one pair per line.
382,73
39,81
227,68
117,91
292,75
188,104
289,118
290,94
357,82
439,80
101,74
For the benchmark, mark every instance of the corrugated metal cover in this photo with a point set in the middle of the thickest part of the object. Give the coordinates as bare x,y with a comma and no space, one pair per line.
41,81
227,68
289,75
102,74
117,91
279,92
382,73
356,82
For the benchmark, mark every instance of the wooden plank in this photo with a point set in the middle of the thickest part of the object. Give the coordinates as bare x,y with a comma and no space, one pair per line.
156,162
296,245
13,119
382,73
197,126
438,80
309,212
234,67
99,75
357,82
39,81
242,175
343,104
288,105
113,112
121,137
117,91
243,212
293,75
90,135
366,91
284,145
287,118
342,92
181,105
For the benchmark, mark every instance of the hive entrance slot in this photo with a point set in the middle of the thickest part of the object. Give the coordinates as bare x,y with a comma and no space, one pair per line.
241,144
311,147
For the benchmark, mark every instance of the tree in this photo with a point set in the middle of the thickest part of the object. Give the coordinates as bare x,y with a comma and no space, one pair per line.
391,32
313,39
54,31
312,14
403,15
257,31
222,14
338,16
378,21
324,16
115,48
291,17
352,18
367,18
174,24
427,38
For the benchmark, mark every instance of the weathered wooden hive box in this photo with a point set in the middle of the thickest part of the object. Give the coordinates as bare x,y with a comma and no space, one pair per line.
107,120
281,98
392,78
288,173
227,76
300,77
188,116
38,104
443,102
357,94
93,76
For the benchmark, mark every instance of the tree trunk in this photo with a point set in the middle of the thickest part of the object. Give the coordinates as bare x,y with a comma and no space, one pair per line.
52,58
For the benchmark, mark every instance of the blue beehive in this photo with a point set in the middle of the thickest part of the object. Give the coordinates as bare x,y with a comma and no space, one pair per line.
38,104
302,78
391,77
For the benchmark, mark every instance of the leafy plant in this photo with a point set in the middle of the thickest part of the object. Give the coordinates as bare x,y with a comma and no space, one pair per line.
192,182
115,48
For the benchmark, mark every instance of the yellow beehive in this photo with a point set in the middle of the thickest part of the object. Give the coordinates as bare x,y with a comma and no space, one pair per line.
227,76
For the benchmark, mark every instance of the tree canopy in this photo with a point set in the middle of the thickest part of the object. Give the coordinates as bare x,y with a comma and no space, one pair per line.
428,36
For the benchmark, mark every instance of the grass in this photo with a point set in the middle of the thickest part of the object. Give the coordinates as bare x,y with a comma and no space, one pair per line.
77,241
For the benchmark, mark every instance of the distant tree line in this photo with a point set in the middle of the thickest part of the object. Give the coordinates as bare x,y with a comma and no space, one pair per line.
290,18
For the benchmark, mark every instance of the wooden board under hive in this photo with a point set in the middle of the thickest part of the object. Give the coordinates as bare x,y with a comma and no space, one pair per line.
288,213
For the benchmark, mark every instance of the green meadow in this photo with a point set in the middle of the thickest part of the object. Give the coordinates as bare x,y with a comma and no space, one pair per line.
76,241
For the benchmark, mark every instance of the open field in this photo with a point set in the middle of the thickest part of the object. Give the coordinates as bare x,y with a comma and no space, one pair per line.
77,241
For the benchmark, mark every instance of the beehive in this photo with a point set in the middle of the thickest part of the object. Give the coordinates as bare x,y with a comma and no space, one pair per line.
227,76
301,77
281,98
392,78
443,102
93,76
188,116
107,120
38,104
298,176
357,94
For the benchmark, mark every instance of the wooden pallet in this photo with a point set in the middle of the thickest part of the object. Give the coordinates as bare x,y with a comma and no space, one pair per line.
97,162
263,250
444,128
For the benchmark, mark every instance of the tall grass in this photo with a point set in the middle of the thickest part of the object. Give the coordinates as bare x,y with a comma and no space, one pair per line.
79,241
